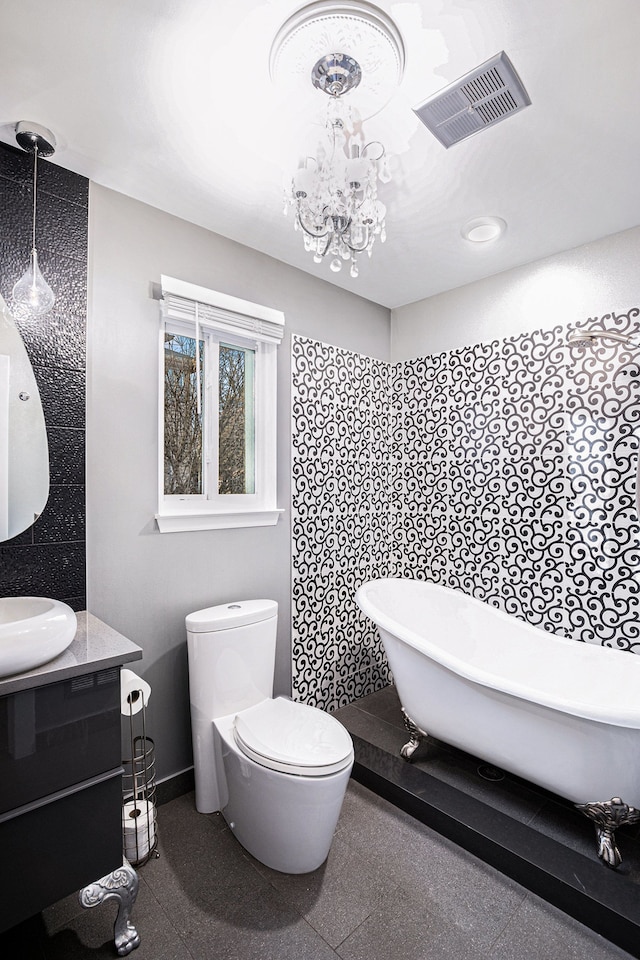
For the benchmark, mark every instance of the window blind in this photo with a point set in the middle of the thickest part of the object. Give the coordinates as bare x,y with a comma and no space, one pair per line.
179,301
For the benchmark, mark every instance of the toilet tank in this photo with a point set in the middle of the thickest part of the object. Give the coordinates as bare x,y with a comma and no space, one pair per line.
231,650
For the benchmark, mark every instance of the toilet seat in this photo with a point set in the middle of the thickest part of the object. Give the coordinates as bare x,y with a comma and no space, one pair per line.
293,738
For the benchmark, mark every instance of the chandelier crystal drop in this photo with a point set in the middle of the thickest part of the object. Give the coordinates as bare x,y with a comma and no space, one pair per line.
334,193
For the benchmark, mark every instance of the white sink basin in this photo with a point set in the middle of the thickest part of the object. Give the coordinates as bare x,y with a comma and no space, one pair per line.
32,631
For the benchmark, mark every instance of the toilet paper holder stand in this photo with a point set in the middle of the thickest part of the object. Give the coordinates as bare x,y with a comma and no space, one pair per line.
139,822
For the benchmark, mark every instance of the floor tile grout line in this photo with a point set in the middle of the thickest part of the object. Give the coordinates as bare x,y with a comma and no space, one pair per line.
152,893
368,917
363,921
526,895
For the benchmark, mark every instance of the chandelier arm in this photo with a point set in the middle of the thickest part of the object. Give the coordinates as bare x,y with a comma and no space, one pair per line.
357,206
373,143
310,233
353,248
326,246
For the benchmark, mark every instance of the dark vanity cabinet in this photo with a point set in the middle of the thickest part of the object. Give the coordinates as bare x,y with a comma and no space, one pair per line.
60,774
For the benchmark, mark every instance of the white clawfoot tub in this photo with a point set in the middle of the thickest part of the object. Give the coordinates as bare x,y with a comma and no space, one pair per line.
562,714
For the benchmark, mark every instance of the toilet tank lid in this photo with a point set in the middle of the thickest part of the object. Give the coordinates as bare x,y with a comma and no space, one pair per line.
226,616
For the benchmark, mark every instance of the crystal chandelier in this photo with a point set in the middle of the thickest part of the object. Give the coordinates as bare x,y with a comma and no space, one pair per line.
335,193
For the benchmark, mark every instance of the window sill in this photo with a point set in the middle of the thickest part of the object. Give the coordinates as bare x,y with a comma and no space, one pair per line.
184,522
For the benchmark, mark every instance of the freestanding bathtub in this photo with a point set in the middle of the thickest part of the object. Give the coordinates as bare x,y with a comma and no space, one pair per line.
562,714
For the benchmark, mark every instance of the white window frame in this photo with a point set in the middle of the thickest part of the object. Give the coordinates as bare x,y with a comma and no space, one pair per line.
188,309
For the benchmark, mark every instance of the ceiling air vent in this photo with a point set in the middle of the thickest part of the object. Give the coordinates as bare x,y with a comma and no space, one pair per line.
486,95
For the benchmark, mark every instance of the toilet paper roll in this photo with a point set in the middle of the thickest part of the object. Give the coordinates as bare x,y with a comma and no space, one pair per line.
134,692
138,829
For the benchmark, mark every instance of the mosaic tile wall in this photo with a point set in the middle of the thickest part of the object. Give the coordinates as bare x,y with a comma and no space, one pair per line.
518,477
48,559
341,519
510,473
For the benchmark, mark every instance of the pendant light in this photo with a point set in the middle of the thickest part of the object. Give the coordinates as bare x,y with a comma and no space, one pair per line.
32,296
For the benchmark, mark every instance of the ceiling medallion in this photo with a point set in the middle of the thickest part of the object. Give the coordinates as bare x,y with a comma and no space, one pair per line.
350,51
357,29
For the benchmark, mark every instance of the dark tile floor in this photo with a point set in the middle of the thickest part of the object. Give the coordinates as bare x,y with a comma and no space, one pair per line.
391,889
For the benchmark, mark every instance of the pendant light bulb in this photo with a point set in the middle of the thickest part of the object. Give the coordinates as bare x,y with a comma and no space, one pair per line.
32,295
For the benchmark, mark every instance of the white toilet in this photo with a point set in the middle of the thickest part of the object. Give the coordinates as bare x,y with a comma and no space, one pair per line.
277,770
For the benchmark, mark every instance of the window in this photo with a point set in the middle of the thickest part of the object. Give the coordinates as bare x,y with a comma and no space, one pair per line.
218,410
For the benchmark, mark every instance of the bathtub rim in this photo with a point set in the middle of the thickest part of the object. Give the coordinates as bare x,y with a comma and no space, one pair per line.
629,717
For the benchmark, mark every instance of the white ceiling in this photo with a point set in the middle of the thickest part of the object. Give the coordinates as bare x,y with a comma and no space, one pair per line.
170,102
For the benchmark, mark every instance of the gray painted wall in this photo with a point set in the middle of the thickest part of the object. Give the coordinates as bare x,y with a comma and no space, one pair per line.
602,276
141,582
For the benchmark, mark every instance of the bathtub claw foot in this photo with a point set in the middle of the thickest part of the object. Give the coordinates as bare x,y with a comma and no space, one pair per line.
416,736
607,817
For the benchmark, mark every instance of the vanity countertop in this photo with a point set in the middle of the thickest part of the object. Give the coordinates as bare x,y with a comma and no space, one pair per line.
95,646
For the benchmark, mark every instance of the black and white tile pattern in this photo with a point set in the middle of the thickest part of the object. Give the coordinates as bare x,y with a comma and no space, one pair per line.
603,420
341,506
505,469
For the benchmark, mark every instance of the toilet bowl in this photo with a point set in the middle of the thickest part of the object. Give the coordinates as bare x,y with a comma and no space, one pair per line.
277,770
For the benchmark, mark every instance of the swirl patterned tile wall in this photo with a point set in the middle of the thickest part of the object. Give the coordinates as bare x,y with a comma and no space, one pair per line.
341,519
505,469
603,530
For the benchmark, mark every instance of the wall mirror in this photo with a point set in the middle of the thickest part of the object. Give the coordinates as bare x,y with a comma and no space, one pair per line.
24,453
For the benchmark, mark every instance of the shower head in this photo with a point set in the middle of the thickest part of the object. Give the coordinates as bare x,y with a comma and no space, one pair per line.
592,336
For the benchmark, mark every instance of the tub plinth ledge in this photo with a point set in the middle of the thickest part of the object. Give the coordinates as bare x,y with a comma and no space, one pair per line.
416,736
607,816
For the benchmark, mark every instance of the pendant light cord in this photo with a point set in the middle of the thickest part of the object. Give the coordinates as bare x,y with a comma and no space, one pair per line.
35,189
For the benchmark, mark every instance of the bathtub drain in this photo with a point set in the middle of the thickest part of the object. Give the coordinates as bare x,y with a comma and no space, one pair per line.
487,772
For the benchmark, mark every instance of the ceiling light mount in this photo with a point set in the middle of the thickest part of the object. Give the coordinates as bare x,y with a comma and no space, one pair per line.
33,136
359,30
336,74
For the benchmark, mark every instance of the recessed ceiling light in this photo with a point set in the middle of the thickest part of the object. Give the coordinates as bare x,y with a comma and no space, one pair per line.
481,229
